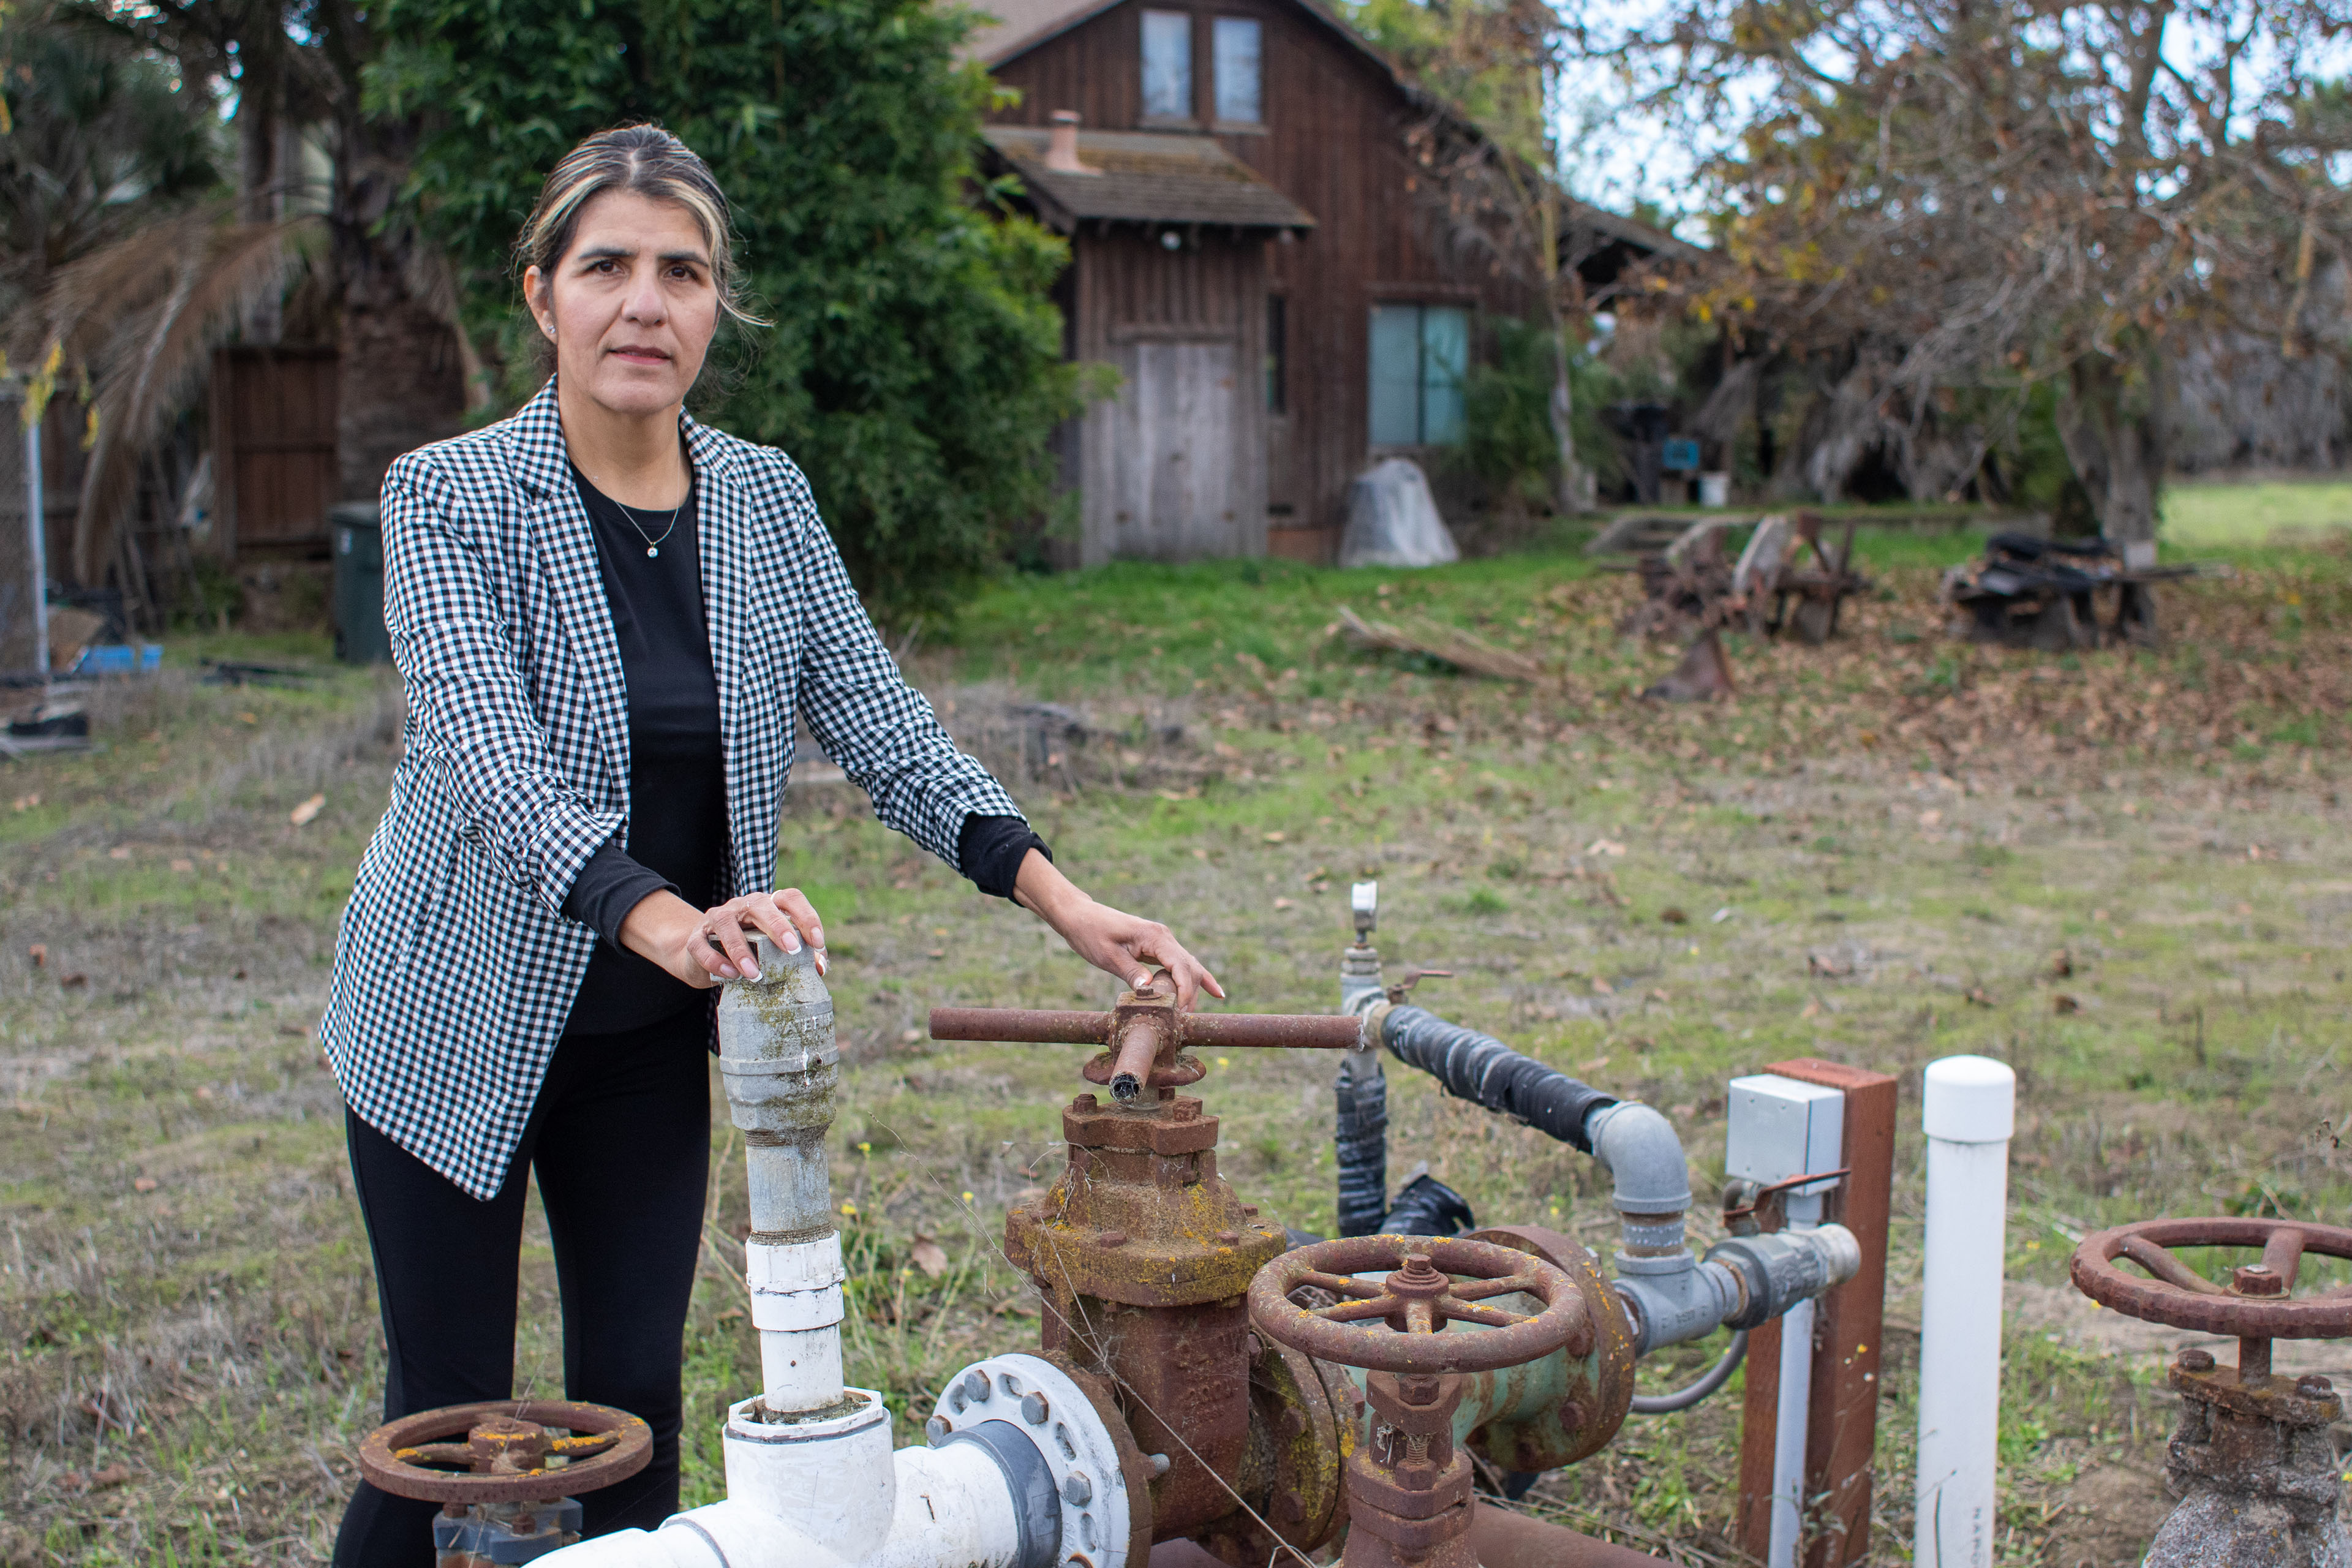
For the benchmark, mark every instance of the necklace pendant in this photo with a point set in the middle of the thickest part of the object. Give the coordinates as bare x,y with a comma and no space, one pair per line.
651,551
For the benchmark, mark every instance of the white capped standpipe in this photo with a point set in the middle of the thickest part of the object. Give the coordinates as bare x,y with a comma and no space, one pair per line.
1780,1128
1970,1109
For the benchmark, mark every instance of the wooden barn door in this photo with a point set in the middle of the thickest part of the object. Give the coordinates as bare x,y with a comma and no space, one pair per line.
1176,450
273,467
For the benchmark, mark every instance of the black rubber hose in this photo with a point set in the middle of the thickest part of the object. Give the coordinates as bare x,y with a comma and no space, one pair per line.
1362,1145
1481,1070
1715,1377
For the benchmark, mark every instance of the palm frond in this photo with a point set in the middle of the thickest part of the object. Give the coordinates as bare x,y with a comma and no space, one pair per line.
142,316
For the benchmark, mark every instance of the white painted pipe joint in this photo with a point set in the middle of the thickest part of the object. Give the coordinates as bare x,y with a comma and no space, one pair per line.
1968,1111
797,1285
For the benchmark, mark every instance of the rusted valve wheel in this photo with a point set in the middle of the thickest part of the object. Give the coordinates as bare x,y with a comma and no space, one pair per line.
504,1446
1398,1324
2256,1306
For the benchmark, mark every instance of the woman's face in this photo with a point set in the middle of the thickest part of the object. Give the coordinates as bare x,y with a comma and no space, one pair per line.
631,306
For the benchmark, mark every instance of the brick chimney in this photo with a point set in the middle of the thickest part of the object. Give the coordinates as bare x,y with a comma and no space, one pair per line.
1062,146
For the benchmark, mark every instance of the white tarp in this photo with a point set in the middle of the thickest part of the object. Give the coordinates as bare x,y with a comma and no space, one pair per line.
1392,520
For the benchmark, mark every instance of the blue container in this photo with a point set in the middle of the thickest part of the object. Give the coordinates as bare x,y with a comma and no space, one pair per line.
120,658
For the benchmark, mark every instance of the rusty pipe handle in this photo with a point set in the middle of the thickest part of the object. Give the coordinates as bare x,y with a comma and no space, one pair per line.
1224,1031
1029,1025
1137,1049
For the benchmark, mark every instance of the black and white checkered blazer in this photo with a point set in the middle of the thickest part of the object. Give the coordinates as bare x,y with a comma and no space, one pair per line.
455,970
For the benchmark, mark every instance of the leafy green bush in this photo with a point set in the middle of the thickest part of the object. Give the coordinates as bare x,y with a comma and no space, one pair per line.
1507,442
914,370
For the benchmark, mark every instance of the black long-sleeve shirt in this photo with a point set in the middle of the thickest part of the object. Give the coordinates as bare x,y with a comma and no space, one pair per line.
677,768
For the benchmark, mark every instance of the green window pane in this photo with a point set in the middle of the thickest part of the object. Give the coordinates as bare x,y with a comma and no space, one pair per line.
1445,359
1396,375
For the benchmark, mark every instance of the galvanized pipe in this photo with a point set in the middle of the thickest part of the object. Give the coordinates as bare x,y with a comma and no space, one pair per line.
1194,1031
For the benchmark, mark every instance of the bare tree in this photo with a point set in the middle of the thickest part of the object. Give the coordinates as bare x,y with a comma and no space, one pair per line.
1988,193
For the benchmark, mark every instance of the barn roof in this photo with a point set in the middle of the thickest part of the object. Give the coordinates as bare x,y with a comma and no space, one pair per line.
1145,177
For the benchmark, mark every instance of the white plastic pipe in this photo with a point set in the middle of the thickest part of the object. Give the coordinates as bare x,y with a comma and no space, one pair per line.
1793,1418
1968,1111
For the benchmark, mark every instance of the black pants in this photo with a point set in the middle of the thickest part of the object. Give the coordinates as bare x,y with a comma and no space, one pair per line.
620,1139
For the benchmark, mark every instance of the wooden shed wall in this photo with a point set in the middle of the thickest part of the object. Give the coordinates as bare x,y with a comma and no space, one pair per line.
1334,142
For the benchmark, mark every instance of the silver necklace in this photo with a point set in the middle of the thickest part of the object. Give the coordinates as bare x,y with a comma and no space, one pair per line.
653,545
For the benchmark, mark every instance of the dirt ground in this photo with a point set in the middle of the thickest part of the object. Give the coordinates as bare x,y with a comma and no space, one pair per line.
2155,938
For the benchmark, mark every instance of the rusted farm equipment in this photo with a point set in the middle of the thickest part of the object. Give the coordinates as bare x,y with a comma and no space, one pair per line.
2029,592
1785,579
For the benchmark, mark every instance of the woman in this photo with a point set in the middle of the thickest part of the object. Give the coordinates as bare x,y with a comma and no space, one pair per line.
607,617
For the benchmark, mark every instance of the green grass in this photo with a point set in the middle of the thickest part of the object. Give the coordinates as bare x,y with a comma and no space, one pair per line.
2217,515
1936,822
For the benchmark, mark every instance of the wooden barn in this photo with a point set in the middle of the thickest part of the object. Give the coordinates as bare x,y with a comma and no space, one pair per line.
1251,249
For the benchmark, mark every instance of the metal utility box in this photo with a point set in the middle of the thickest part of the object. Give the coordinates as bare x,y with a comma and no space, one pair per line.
1781,1128
357,536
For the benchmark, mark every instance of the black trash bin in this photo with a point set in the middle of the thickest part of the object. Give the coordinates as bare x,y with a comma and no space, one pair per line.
358,538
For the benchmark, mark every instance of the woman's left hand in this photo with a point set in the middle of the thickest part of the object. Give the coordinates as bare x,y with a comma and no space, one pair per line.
1113,941
787,917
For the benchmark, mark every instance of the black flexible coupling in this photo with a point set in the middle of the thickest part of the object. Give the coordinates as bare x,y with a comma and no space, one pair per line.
1481,1070
1362,1146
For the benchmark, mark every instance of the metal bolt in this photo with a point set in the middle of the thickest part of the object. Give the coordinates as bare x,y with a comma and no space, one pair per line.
2196,1361
934,1429
956,1399
975,1386
1159,1463
1035,1409
1113,1239
1185,1111
1228,1237
1077,1492
1250,1210
2314,1386
2257,1279
1085,1102
1572,1416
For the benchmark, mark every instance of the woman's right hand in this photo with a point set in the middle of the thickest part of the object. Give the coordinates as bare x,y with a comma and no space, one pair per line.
703,948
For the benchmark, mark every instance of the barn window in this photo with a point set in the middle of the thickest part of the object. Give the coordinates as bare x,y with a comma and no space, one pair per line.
1420,353
1278,354
1240,74
1166,65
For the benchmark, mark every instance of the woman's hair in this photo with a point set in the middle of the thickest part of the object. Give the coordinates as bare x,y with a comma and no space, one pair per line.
652,163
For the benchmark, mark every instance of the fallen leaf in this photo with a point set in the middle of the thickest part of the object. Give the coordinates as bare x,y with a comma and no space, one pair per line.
1659,996
910,1036
249,718
1603,987
120,852
183,865
729,1315
1822,964
114,1475
39,953
1595,1065
2062,1002
144,1183
1811,1010
1978,994
1929,818
929,1257
1284,904
938,952
76,978
307,810
204,1092
2062,964
1276,837
1673,916
1605,846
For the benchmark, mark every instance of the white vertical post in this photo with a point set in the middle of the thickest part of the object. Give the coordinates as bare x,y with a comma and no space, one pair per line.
1970,1111
37,537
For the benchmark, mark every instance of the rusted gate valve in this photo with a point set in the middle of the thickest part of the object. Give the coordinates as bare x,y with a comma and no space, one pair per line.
1409,1489
1141,1254
520,1465
2253,1460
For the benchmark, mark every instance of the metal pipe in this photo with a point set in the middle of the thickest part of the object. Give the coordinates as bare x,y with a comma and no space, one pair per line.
1216,1031
36,544
1507,1540
1133,1066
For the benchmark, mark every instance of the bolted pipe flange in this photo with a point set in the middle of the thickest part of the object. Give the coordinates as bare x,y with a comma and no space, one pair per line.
1028,1402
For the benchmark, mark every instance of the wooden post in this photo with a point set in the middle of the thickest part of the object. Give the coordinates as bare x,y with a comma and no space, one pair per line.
1843,1429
